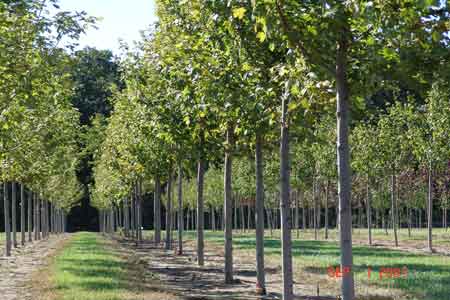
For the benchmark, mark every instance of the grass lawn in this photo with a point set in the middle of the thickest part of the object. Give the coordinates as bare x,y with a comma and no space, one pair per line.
86,269
423,276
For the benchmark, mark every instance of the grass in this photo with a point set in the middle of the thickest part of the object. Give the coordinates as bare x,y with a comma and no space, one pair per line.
428,276
86,269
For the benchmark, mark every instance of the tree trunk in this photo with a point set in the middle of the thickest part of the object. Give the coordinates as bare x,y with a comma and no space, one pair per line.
139,210
249,219
7,220
343,162
39,217
269,221
22,215
227,220
297,213
235,213
315,199
157,212
430,208
286,242
169,213
369,211
259,217
408,209
393,207
30,216
180,209
242,218
14,213
303,213
327,187
126,218
200,224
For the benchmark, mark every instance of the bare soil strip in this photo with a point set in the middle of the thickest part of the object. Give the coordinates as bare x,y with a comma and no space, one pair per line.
180,275
18,269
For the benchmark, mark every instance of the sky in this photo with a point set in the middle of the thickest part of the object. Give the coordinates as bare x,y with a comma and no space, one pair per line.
121,19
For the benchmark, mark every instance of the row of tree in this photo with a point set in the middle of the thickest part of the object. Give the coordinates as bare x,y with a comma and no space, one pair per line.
211,85
39,127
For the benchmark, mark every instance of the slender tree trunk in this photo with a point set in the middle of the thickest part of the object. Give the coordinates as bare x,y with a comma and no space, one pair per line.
393,207
259,216
213,212
169,213
369,211
242,218
126,226
30,216
228,207
22,215
269,221
327,187
303,212
430,208
297,213
286,242
199,218
7,220
157,212
39,217
408,209
35,219
140,208
235,213
14,213
315,209
343,162
249,219
180,210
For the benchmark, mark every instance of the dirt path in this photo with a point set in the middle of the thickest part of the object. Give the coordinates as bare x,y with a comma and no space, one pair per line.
181,276
17,270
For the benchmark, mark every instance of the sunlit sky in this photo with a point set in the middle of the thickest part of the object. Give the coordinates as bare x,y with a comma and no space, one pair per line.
121,19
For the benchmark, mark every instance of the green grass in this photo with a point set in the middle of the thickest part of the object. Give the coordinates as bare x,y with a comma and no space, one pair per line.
428,275
87,269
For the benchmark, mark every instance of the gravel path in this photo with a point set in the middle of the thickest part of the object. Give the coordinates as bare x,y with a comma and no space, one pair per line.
16,271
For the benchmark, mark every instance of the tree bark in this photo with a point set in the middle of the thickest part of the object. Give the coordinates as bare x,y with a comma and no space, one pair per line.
430,208
200,203
22,215
327,187
169,213
14,213
315,208
7,220
286,242
180,209
157,212
343,161
259,216
369,211
39,217
393,207
297,213
30,216
140,207
227,220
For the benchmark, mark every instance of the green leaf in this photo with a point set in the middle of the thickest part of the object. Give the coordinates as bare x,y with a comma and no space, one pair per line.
239,12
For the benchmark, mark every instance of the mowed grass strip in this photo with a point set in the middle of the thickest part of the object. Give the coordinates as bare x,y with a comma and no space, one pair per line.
87,269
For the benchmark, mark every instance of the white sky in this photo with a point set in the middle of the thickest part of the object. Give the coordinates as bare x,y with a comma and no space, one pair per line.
122,19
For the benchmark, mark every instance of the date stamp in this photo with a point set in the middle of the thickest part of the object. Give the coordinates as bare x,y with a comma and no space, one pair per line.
381,273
